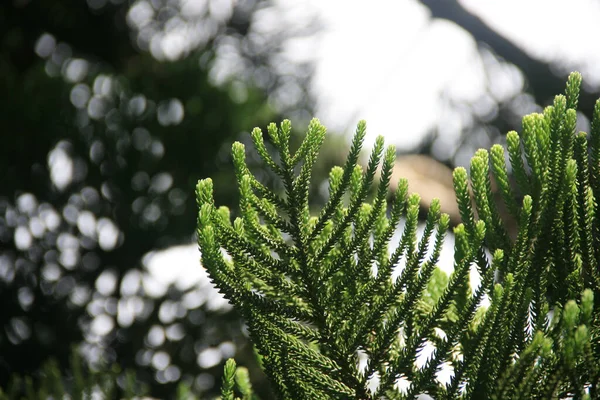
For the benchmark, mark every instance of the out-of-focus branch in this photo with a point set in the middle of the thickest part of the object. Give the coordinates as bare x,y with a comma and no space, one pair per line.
542,82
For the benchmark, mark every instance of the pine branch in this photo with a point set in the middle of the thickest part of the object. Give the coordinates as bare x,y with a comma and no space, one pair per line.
317,291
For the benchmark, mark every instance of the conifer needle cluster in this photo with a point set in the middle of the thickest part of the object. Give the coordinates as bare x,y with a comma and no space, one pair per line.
337,310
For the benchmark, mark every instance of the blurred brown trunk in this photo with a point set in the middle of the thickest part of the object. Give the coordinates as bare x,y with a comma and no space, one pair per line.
432,179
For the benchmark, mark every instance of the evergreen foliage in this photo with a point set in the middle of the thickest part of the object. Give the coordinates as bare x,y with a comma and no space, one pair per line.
320,293
82,384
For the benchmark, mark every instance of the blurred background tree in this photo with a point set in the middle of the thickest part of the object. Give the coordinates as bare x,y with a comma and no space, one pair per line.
110,110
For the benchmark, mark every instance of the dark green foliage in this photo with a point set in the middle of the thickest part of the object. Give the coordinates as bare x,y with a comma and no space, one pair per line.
80,384
79,84
318,293
236,380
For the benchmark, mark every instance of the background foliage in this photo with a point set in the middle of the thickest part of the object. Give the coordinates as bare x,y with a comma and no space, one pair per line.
104,136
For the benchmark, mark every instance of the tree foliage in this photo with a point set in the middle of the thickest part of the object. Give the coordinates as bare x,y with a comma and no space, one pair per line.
336,310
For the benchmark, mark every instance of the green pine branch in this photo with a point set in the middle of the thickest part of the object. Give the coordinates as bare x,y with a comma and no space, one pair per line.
321,292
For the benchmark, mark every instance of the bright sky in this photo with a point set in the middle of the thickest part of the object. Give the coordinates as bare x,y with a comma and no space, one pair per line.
388,62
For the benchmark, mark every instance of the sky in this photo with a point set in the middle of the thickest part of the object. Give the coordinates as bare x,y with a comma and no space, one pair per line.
391,64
